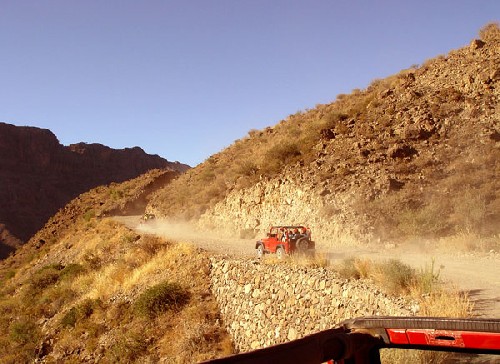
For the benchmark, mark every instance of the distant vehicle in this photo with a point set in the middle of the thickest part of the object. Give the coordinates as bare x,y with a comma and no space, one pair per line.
285,239
147,217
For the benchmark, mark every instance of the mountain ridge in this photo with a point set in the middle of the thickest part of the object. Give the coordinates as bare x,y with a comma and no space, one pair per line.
39,175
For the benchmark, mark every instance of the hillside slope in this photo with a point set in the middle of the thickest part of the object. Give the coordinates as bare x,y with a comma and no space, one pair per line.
415,154
38,176
87,289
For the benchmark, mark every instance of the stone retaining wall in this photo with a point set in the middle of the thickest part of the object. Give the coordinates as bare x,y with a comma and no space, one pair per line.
266,304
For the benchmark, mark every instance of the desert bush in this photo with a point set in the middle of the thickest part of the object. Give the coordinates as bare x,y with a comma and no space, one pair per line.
160,298
278,156
23,331
115,194
151,244
88,215
71,271
92,260
400,356
247,168
45,277
284,152
69,319
427,220
395,276
446,303
348,270
316,260
490,32
427,278
23,337
129,347
207,174
79,312
51,300
5,276
87,307
470,241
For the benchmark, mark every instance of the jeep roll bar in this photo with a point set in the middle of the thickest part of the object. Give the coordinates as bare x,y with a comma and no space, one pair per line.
358,341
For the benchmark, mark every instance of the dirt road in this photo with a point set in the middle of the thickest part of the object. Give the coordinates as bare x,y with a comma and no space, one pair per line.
476,273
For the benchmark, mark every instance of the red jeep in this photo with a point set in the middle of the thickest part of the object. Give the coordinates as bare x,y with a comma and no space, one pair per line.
286,240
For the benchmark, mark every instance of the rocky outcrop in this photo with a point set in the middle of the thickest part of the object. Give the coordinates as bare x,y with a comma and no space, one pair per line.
38,175
265,304
281,201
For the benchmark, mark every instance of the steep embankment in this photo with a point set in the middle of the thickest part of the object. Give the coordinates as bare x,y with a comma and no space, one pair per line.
415,154
38,176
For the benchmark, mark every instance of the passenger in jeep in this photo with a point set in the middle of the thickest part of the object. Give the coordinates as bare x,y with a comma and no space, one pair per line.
281,234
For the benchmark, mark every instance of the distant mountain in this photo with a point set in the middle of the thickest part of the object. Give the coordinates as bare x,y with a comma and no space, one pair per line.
38,176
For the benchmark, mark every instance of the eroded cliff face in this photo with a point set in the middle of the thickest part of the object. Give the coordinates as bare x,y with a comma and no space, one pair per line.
38,176
283,201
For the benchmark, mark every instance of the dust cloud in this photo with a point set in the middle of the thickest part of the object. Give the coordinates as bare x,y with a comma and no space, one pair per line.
209,240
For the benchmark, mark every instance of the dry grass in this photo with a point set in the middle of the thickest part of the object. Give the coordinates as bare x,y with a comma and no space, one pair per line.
90,299
422,286
397,278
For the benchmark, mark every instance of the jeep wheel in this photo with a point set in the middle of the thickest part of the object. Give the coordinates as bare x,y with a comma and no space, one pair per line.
260,251
302,245
280,252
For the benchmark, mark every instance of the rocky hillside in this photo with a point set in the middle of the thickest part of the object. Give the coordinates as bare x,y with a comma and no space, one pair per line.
38,176
415,154
87,289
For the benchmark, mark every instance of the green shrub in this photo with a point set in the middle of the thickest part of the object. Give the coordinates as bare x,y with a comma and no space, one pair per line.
72,270
45,277
88,215
160,298
128,348
69,318
278,156
23,331
80,312
396,276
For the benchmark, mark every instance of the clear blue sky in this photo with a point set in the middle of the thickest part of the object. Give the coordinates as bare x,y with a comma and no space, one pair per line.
184,79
